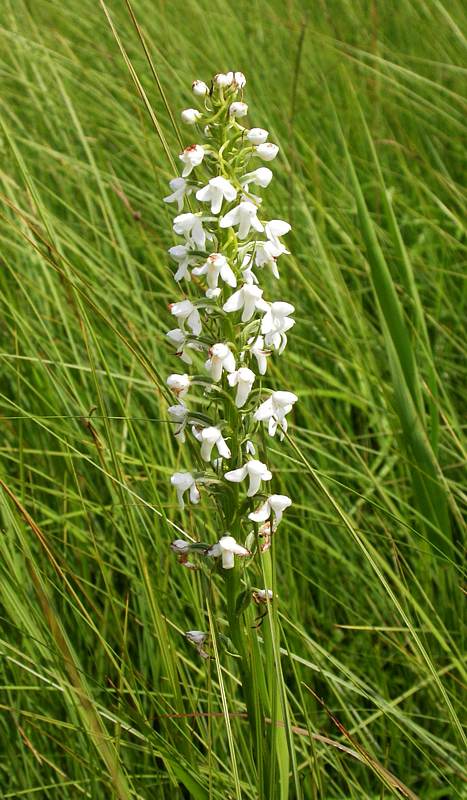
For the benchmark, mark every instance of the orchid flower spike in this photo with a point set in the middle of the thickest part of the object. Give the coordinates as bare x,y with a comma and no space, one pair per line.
215,192
215,266
191,226
191,157
274,410
180,190
274,505
275,323
256,472
245,217
243,379
185,311
248,298
257,136
179,384
228,548
185,482
210,437
220,358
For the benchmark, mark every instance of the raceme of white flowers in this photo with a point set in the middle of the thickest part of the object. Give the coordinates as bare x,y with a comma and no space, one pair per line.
227,329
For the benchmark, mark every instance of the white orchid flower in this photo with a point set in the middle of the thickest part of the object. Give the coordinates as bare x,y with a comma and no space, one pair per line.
228,548
249,297
238,109
217,190
220,358
197,637
243,379
185,311
275,323
250,449
255,470
180,190
180,546
179,338
275,228
191,157
258,351
179,384
267,151
260,177
200,88
179,415
210,437
223,79
263,596
185,482
274,505
239,79
274,409
183,255
191,226
257,136
244,216
215,266
190,116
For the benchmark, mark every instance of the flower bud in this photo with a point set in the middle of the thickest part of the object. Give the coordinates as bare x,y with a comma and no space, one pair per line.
221,79
238,109
190,116
257,135
239,79
267,151
200,88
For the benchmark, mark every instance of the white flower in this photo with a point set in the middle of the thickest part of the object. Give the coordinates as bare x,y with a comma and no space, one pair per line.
238,109
267,151
223,79
183,255
220,358
191,226
209,437
191,157
190,116
275,409
179,415
245,216
262,596
197,637
257,136
275,323
255,470
239,79
185,311
243,379
228,548
248,298
180,546
215,192
275,228
261,177
250,448
185,482
180,191
179,384
216,265
200,88
275,504
257,350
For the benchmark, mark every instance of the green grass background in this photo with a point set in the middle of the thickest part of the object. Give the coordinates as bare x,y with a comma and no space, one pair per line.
101,696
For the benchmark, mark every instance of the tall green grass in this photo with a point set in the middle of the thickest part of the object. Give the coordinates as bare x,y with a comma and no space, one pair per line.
101,696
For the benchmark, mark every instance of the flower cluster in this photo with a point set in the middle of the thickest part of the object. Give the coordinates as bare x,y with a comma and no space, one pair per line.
226,330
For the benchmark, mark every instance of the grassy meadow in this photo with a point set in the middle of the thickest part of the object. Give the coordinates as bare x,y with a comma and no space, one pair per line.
101,694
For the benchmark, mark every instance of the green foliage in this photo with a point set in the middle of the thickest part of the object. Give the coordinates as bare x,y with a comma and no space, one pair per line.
102,696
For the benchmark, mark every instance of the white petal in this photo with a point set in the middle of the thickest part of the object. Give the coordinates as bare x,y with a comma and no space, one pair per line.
236,475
